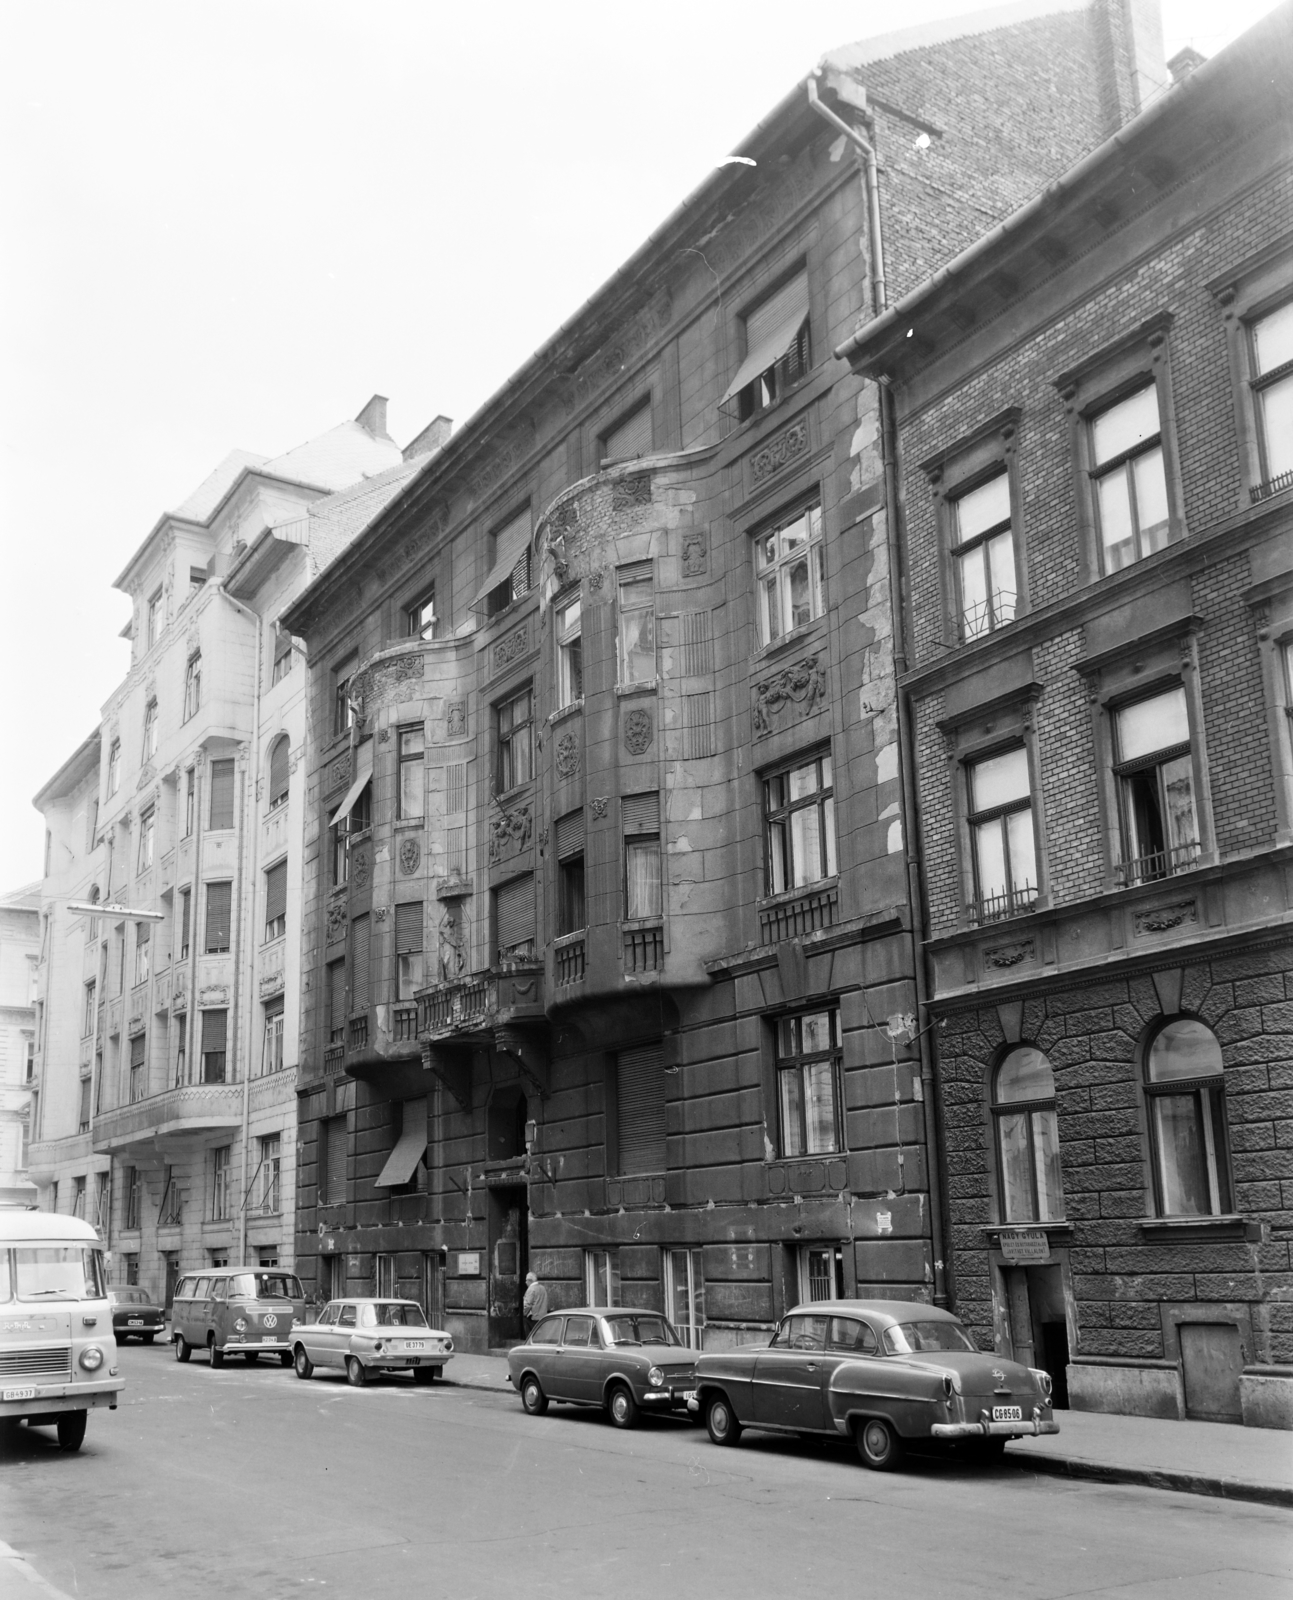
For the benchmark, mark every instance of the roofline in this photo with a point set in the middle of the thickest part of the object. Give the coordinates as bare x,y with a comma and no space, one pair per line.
63,780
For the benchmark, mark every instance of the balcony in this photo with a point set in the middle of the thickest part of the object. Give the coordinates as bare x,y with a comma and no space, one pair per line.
568,959
1158,864
1011,902
644,949
502,1008
793,917
196,1109
404,1023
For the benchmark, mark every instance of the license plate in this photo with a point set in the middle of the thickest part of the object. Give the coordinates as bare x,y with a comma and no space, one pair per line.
135,1322
1007,1414
415,1344
20,1394
689,1394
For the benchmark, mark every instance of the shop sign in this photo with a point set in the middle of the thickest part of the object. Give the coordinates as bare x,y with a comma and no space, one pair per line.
1025,1247
469,1263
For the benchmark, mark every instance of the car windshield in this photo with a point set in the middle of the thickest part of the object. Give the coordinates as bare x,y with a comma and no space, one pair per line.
640,1330
400,1317
914,1338
278,1286
59,1272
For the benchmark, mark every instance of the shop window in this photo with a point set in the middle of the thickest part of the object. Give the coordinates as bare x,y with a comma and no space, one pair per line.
789,569
114,766
514,724
1154,770
1028,1145
1002,841
215,1038
983,551
630,437
799,823
409,957
778,349
271,1055
635,614
640,816
219,917
420,617
192,686
808,1086
602,1277
276,901
150,730
570,655
220,813
685,1295
640,1109
1185,1096
280,771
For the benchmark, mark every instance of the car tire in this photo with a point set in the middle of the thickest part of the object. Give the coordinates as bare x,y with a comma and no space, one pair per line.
720,1420
532,1396
285,1358
622,1407
217,1355
147,1338
879,1444
424,1375
355,1373
71,1429
183,1349
304,1366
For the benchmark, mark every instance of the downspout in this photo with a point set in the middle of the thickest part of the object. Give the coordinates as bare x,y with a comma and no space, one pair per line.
906,776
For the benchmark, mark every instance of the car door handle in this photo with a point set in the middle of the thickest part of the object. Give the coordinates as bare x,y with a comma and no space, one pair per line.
812,1366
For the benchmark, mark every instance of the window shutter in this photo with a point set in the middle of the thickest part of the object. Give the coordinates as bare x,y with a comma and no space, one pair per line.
336,994
789,304
334,1161
640,1081
219,907
186,904
215,1031
631,438
514,912
276,892
137,1050
640,813
221,795
278,770
408,927
570,835
360,969
455,788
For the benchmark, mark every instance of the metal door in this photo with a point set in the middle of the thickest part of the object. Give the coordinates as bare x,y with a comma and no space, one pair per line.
1212,1358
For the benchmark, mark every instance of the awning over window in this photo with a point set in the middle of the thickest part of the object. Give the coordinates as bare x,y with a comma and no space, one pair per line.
363,777
770,330
508,550
402,1162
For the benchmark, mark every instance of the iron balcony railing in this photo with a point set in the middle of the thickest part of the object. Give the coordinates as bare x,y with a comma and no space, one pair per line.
1010,902
1158,864
1263,491
985,615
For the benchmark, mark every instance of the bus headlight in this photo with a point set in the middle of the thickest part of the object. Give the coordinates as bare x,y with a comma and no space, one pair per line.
91,1358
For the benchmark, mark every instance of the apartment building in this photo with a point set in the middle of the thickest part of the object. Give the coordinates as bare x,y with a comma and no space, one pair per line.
19,954
1094,423
608,954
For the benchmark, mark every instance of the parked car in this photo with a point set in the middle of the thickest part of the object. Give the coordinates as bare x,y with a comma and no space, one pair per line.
245,1311
626,1361
366,1336
881,1371
135,1315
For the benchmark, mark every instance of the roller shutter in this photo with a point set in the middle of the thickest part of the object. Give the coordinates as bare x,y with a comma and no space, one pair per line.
640,1085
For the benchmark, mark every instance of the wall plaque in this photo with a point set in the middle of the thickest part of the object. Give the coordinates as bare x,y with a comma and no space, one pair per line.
1025,1247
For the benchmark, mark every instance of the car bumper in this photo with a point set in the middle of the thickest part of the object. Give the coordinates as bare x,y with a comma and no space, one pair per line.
667,1399
260,1346
51,1398
994,1430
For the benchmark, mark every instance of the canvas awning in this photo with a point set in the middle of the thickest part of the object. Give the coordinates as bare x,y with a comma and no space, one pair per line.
363,777
512,542
770,330
402,1162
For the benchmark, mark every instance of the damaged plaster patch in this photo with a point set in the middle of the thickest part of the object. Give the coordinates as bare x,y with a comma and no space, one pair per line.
895,837
890,810
680,846
886,764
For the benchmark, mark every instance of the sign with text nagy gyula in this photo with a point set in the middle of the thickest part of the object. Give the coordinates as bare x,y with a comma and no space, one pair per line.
1025,1247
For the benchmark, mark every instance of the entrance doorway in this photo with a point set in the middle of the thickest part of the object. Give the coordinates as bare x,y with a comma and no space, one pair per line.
171,1262
1038,1326
509,1260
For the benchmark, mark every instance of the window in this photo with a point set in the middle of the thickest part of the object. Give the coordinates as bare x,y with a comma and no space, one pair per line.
270,1198
181,1050
153,626
570,654
138,1069
808,1058
640,814
276,901
778,352
571,916
147,836
1272,362
143,951
1130,482
1154,772
361,953
280,771
412,784
103,1201
685,1291
215,1033
636,614
192,686
339,851
114,766
799,811
821,1277
601,1279
343,709
639,1109
420,618
510,575
333,1140
1185,1092
630,437
384,1277
221,1182
190,790
336,1002
130,1198
514,920
790,573
515,722
271,1056
83,1113
1028,1142
87,1014
1002,844
186,915
408,949
282,657
219,916
984,553
150,730
220,814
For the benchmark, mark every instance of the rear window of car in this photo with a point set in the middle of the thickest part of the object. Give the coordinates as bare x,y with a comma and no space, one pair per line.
547,1332
130,1297
914,1338
408,1316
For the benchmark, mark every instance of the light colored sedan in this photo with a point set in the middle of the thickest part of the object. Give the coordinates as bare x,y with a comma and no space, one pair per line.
364,1336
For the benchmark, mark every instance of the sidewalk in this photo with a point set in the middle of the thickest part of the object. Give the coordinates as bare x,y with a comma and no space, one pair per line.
1213,1458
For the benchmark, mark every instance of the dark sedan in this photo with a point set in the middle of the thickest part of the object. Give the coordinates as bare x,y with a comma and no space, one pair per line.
135,1315
879,1371
624,1360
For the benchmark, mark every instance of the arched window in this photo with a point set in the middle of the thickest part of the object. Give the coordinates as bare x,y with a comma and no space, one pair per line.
1023,1108
278,771
1185,1091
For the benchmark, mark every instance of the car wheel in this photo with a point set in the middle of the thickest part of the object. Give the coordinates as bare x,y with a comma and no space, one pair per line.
285,1358
424,1375
622,1406
71,1429
532,1396
355,1374
147,1338
879,1444
183,1349
304,1366
217,1356
720,1420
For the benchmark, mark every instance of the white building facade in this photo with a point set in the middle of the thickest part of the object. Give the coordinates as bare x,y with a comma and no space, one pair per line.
19,956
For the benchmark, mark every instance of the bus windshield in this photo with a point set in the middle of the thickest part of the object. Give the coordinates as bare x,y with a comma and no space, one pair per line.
59,1272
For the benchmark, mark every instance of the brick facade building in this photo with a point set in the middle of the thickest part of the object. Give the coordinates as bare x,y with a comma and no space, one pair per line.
1094,424
606,877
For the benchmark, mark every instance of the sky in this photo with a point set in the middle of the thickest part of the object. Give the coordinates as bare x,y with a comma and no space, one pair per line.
226,226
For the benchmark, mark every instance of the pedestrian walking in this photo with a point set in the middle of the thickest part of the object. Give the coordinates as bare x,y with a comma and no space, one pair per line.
535,1304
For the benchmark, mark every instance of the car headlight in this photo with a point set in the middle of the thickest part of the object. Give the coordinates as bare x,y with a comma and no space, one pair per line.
91,1358
1042,1380
655,1378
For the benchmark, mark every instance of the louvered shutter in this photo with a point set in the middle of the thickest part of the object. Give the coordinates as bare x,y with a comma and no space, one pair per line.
137,1049
334,1161
408,928
514,913
640,813
360,964
215,1031
631,438
276,892
219,907
336,994
221,815
186,903
570,835
788,307
640,1082
278,770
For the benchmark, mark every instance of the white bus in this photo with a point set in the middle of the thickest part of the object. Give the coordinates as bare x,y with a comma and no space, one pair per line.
58,1357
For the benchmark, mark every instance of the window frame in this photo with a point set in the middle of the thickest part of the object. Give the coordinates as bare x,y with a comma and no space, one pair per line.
1212,1085
1122,769
274,1016
150,730
504,759
153,617
1018,902
190,800
281,798
343,711
814,547
114,767
405,760
1257,286
630,414
768,388
1270,483
998,1110
568,647
635,838
282,653
147,839
192,686
977,545
822,797
417,624
1121,466
637,575
794,1063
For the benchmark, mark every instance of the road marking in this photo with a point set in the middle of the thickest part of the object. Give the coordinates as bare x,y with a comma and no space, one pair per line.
11,1561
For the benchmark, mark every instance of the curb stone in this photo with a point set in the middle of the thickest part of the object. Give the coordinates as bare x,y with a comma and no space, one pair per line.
1269,1494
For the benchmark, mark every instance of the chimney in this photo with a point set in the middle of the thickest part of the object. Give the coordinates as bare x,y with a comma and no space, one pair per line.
432,438
1184,62
373,417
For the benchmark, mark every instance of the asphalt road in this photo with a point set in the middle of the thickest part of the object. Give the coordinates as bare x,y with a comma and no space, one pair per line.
248,1482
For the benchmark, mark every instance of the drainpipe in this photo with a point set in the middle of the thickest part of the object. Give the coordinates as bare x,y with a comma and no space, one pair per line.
906,775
